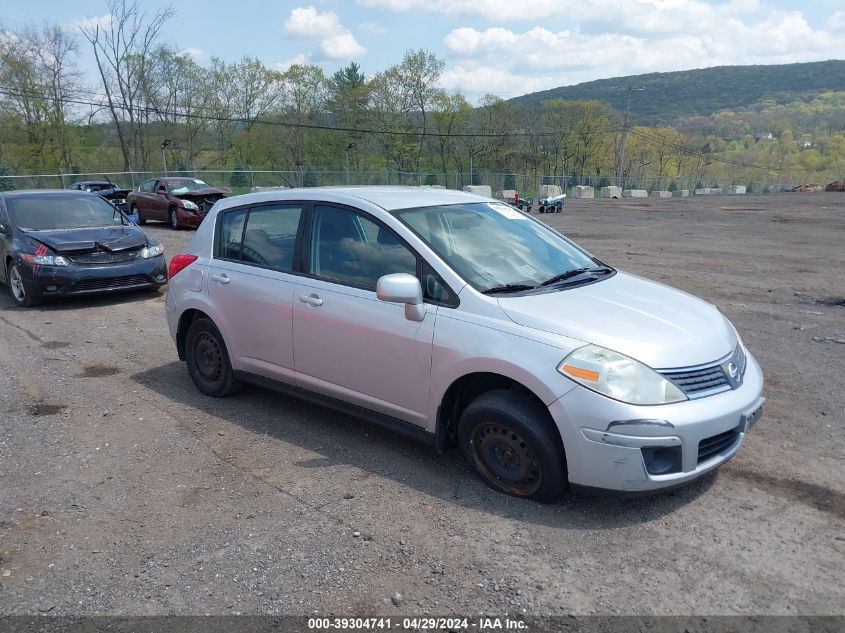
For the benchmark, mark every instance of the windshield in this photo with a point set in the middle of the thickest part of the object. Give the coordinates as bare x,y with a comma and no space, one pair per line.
184,185
100,186
492,245
46,212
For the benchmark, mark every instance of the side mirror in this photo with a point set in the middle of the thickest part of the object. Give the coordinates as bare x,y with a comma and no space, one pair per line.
403,288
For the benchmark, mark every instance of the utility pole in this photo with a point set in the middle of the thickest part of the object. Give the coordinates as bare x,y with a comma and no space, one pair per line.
620,156
164,155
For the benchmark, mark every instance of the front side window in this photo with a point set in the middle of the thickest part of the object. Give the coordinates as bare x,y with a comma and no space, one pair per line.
351,249
492,245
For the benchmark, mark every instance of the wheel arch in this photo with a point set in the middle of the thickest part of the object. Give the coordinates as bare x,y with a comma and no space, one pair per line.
185,320
462,391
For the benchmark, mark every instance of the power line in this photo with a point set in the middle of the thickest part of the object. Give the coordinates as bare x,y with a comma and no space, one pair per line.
683,149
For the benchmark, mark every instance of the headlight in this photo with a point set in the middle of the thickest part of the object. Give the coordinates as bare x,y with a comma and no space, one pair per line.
152,251
618,376
45,260
190,205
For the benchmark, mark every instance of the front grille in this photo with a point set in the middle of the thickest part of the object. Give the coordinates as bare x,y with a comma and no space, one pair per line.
104,257
710,379
712,446
698,382
108,283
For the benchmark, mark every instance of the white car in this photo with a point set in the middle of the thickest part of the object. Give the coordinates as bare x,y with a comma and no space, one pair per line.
458,319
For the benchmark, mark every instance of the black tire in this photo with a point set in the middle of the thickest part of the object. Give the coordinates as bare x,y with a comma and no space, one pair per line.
20,291
509,439
208,360
173,218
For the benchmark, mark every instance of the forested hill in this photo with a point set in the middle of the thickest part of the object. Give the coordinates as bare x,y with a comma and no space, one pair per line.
671,96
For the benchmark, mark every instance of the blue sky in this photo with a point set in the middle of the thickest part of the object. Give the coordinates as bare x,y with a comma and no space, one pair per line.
504,47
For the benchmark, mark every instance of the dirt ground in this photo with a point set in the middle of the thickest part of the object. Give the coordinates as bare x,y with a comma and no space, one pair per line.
124,491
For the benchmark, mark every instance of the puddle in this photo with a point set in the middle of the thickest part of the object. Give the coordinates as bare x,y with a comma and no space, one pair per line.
830,301
96,371
813,495
55,344
42,408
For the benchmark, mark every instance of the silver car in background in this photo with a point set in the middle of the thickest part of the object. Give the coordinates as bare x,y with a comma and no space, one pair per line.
459,319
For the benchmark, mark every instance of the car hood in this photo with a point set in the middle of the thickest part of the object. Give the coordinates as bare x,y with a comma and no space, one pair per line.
117,238
655,324
202,193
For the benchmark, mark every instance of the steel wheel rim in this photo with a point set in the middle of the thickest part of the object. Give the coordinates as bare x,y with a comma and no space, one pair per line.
505,458
16,284
208,357
174,221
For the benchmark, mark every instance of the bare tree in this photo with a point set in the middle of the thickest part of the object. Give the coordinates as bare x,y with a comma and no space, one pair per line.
123,51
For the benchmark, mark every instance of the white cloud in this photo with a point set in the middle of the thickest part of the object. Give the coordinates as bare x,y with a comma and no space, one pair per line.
372,28
196,54
638,14
88,23
476,81
336,41
837,21
342,46
298,60
574,56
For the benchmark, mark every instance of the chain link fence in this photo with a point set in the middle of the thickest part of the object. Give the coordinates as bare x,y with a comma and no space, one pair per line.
528,185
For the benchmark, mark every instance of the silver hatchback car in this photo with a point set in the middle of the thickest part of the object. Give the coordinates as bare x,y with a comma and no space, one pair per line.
458,319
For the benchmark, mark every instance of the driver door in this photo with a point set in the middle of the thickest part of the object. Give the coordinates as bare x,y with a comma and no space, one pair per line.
347,343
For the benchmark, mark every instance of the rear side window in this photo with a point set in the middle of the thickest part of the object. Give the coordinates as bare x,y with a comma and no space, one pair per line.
261,236
147,187
270,236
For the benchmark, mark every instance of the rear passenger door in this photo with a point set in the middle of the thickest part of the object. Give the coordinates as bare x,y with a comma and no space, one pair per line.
251,285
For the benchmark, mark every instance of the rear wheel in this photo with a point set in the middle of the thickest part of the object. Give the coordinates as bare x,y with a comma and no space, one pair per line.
134,211
507,437
208,360
173,218
21,292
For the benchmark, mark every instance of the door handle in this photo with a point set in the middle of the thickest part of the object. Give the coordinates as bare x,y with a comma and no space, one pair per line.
312,300
222,279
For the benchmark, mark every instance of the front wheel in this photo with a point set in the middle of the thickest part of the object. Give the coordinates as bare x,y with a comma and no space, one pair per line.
21,292
173,217
510,440
208,360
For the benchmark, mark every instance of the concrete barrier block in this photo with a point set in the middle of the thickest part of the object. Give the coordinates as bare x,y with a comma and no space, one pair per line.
703,191
583,191
635,193
274,188
479,190
737,189
680,193
661,194
611,192
550,191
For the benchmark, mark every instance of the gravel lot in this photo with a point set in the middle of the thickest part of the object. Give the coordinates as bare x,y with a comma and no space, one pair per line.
123,491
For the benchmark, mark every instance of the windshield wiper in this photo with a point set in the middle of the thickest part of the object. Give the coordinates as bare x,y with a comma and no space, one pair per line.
508,288
575,272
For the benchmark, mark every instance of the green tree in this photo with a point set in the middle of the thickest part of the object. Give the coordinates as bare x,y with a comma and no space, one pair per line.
6,184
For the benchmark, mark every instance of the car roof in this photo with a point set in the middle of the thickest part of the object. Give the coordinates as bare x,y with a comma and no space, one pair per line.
22,193
388,198
92,182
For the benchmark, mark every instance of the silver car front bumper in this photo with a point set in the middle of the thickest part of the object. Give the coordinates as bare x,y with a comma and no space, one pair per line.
604,439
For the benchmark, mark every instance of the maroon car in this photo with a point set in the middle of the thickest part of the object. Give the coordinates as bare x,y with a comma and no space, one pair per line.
181,202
